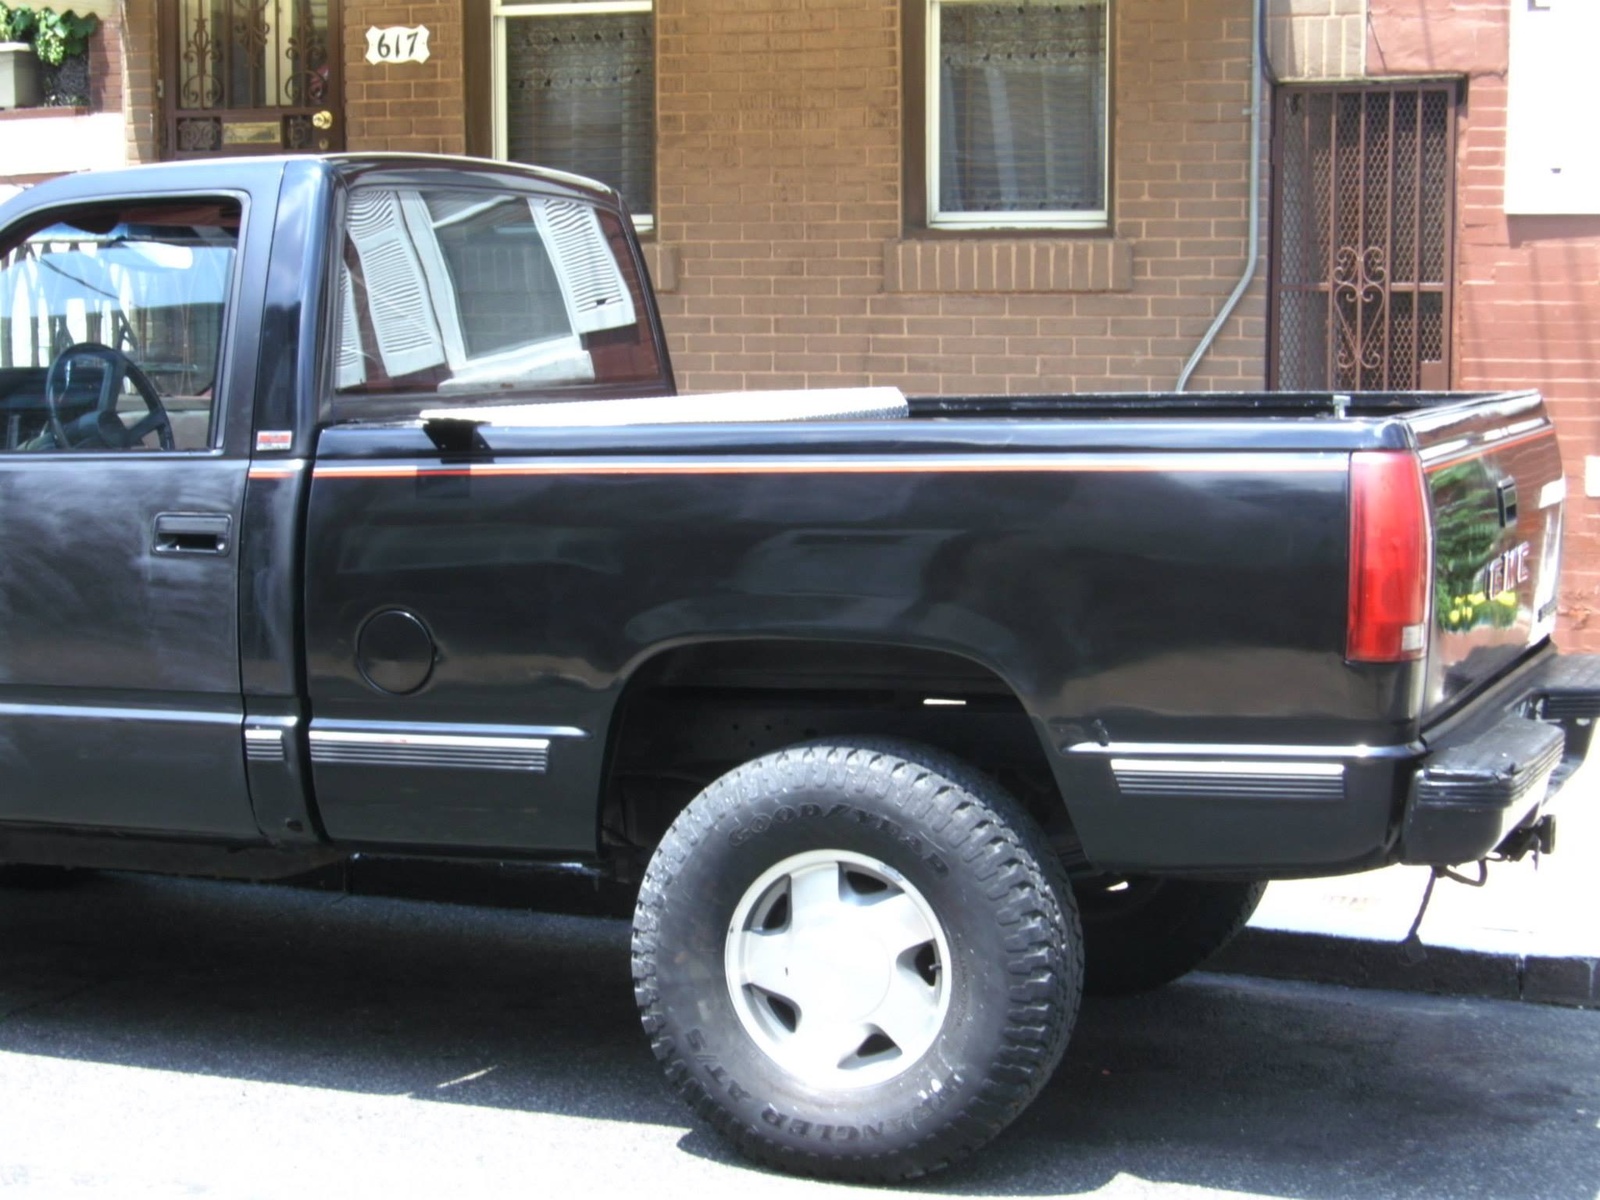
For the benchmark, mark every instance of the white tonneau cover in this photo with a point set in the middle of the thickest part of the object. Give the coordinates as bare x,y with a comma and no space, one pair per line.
800,404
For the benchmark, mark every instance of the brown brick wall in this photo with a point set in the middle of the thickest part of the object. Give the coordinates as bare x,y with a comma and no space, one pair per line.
139,72
1528,288
105,63
779,188
414,107
780,176
1317,39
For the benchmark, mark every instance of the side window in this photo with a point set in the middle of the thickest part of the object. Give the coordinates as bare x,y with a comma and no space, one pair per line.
111,321
471,294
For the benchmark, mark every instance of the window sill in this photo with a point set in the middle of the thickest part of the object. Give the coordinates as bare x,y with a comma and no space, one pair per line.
43,110
1008,264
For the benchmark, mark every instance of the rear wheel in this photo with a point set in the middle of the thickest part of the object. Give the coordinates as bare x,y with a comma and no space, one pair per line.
1142,932
856,960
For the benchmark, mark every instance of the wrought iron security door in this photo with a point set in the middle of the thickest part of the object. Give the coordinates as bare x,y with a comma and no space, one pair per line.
1363,220
250,77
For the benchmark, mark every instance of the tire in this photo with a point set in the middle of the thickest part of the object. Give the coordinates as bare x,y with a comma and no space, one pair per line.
1149,931
795,870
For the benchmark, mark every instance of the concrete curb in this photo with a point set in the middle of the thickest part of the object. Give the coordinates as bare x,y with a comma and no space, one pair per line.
1320,958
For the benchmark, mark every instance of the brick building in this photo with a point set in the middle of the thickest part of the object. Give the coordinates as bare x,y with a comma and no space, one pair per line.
962,196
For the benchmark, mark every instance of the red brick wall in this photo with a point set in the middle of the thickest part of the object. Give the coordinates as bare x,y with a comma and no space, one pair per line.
780,176
1528,288
414,107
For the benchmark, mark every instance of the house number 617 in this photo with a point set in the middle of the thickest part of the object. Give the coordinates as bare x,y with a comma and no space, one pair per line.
397,44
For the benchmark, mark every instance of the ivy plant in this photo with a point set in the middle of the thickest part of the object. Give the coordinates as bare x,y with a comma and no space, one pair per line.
16,23
59,36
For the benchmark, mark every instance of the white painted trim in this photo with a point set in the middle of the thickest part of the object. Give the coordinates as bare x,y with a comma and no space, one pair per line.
1056,219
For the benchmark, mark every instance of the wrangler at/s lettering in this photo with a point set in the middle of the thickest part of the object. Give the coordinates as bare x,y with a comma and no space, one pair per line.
351,509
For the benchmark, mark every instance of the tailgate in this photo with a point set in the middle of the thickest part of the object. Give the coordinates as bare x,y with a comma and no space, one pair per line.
1497,489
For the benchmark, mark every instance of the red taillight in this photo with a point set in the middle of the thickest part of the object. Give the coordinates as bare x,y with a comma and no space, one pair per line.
1389,558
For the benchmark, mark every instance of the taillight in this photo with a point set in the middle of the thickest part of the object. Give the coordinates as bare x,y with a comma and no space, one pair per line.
1390,558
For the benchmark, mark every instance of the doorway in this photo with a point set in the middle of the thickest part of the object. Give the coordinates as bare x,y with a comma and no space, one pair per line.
250,77
1363,238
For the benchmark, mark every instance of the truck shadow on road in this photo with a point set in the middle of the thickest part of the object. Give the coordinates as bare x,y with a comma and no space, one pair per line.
1268,1088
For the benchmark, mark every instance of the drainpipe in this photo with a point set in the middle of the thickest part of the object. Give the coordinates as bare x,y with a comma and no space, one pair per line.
1254,236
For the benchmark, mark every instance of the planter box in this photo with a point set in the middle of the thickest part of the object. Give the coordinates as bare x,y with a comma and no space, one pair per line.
19,75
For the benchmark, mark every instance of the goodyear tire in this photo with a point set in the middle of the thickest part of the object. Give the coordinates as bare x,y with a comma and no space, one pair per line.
1144,932
856,961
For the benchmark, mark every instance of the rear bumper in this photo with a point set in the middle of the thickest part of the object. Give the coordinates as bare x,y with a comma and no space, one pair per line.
1459,790
1501,769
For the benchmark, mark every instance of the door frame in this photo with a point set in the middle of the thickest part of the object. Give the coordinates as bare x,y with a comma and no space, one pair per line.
1428,375
207,130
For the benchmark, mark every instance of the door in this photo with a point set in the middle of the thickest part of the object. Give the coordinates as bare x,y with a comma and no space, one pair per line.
1363,218
119,663
250,77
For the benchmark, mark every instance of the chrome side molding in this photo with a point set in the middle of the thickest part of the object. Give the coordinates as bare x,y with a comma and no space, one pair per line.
507,748
1281,780
263,745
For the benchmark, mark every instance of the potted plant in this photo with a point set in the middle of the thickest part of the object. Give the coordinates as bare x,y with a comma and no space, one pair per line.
19,66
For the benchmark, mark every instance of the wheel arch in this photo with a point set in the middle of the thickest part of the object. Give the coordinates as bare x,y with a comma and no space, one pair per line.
690,712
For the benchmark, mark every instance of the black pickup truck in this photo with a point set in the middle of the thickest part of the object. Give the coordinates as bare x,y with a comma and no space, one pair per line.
346,507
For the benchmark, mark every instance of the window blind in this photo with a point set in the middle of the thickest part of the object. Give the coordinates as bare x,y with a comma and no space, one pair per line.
580,97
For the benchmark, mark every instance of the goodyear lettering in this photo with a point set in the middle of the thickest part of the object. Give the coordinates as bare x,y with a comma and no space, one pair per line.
715,1071
762,822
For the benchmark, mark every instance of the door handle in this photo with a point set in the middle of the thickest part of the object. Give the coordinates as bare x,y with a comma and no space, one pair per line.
192,533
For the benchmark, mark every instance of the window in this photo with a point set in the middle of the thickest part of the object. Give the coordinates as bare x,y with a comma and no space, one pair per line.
1014,107
575,87
111,324
456,293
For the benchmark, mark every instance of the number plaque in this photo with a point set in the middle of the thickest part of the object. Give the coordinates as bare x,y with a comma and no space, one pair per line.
397,44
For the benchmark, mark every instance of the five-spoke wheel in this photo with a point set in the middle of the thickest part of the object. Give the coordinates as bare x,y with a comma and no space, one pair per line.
837,968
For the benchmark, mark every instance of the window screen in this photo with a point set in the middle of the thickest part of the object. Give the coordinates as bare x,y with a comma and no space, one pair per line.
469,293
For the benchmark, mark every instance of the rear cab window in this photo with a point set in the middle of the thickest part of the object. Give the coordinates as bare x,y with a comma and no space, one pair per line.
454,294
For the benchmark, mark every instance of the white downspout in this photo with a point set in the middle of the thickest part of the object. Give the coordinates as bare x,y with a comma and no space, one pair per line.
1254,236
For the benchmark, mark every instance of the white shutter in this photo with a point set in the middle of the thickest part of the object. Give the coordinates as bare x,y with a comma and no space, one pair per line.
352,368
397,291
591,283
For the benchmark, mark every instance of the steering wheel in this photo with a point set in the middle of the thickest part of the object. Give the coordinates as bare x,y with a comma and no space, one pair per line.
101,427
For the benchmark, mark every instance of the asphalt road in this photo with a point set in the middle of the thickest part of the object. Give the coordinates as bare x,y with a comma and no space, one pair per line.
165,1038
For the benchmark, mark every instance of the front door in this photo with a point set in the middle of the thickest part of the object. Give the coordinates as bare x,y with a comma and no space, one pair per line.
250,77
120,699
